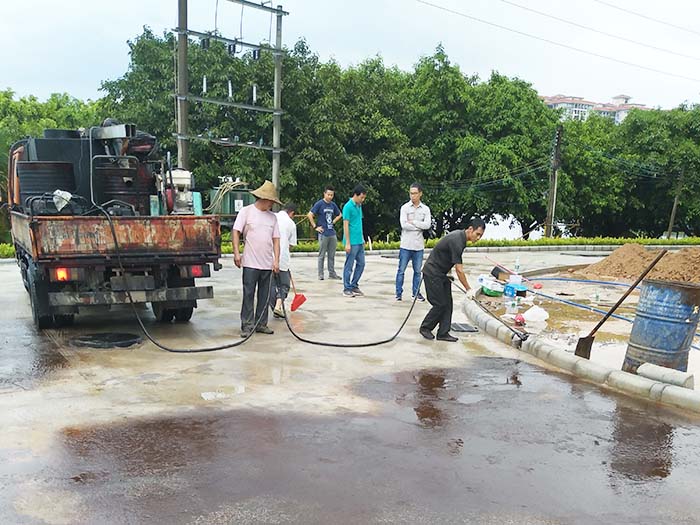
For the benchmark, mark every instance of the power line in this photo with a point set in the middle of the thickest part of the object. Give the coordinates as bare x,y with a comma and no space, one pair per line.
594,30
649,172
640,15
464,185
559,44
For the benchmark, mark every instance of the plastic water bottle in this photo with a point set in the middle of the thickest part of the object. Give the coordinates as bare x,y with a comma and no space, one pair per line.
510,300
517,265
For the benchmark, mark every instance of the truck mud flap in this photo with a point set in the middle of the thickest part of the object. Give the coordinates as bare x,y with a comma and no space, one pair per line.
190,293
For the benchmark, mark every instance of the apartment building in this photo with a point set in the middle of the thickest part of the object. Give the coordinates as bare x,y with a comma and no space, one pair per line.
577,108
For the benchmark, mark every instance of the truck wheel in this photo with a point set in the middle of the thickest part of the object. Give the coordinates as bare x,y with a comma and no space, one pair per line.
183,315
25,280
163,315
40,321
63,320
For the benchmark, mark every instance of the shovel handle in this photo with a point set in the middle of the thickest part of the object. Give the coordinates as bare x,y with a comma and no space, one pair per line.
629,291
294,288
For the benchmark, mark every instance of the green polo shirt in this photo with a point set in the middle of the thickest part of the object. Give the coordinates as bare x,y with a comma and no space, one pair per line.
353,214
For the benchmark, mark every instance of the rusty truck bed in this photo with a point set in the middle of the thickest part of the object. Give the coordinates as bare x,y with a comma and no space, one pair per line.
185,237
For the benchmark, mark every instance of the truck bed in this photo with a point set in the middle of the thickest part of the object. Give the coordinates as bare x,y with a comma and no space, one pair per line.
89,238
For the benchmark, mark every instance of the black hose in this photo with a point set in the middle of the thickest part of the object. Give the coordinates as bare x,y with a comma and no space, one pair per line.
520,335
351,345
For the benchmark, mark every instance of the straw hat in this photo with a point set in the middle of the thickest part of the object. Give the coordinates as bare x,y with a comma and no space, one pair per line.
267,191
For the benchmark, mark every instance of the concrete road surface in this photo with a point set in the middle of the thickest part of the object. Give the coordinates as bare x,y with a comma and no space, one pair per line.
277,431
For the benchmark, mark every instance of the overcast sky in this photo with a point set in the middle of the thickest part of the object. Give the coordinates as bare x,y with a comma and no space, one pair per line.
70,46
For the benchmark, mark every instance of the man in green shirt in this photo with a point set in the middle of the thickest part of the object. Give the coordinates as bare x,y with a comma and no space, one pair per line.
354,242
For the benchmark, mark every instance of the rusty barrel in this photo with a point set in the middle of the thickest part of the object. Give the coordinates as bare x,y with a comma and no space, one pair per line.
129,185
664,326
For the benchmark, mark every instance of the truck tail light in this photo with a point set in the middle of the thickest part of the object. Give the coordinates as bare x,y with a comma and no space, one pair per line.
198,270
63,275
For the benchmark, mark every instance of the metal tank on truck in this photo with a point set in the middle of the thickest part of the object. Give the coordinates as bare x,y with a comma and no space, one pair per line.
96,215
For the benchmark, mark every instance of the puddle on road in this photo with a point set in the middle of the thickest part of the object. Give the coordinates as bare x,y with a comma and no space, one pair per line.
27,356
494,427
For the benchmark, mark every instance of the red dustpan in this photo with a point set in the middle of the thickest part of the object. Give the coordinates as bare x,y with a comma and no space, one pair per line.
299,298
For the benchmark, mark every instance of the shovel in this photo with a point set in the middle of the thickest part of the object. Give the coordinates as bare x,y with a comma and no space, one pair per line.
299,298
583,347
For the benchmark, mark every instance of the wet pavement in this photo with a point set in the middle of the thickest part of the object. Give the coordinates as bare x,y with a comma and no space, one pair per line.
276,431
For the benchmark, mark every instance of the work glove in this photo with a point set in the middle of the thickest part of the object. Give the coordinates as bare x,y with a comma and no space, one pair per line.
470,293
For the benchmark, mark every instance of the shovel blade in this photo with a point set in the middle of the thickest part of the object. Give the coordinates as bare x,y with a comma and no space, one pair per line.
583,347
298,300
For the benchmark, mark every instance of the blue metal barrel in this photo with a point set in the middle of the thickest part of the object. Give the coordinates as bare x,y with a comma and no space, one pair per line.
664,326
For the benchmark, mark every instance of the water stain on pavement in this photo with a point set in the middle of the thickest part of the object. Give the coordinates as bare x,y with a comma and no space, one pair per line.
27,358
447,445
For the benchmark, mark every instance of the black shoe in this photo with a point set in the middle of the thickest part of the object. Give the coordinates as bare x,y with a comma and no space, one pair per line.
418,297
447,337
320,277
245,333
268,330
335,277
426,333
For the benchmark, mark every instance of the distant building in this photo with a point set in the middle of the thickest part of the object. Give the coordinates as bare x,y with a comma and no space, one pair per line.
576,108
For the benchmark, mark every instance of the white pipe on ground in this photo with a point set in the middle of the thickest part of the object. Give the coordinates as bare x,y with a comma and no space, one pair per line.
667,375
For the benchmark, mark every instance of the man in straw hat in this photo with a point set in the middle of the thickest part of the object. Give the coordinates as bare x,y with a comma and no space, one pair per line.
260,258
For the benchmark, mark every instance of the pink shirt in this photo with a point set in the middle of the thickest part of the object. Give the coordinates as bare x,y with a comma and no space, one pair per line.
258,229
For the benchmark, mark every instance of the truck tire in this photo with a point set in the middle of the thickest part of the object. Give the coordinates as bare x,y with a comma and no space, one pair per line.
25,279
38,298
182,315
63,320
163,315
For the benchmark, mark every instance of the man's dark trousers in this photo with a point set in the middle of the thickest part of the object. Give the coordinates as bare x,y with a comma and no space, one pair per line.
437,288
253,277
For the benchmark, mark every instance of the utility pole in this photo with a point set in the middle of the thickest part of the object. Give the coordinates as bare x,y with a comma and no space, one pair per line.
277,103
672,220
234,45
553,180
183,157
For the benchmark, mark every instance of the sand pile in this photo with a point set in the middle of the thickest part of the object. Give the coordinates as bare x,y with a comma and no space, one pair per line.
630,260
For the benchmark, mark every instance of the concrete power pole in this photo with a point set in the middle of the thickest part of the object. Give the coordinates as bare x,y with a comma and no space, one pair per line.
277,103
553,180
672,220
183,157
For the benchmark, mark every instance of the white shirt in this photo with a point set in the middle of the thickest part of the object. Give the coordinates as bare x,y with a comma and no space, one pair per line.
288,235
412,232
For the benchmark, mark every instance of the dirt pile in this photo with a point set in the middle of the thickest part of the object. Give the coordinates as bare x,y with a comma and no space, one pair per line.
630,260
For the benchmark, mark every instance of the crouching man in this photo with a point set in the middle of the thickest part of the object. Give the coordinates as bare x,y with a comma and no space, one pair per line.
446,255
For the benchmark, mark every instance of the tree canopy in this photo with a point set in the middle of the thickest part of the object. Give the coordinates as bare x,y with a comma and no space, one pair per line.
477,146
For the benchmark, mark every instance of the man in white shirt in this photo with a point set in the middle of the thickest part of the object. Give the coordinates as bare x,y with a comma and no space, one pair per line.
288,236
415,219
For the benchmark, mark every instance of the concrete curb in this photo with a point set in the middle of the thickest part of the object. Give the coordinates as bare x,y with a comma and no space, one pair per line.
596,373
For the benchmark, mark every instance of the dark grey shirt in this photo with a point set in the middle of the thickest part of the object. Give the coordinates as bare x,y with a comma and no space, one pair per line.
447,253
